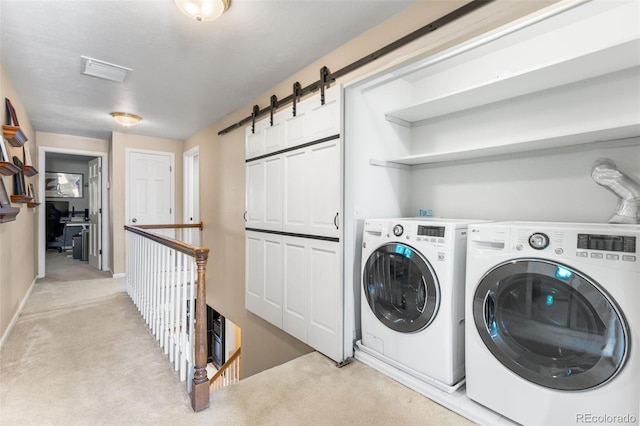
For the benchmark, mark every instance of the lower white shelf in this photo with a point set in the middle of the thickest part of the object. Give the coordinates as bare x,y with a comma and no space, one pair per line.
619,136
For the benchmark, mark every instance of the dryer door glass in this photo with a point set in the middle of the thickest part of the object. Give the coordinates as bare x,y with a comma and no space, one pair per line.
550,324
401,288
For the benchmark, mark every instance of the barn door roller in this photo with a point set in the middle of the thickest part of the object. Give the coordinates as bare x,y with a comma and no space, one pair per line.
273,104
297,92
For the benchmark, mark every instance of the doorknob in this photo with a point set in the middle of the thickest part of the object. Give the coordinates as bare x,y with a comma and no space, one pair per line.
134,220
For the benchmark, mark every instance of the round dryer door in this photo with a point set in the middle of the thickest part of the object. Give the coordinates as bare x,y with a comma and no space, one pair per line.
401,288
550,324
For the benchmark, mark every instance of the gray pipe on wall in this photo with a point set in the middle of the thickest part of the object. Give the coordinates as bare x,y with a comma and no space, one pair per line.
605,173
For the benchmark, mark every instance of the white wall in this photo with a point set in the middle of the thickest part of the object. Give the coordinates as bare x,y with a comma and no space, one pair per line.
540,187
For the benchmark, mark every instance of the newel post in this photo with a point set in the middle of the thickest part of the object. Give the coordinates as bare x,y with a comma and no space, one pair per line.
200,390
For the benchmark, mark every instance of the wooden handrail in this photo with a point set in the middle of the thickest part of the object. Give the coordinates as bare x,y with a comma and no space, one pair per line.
200,385
172,243
171,226
226,365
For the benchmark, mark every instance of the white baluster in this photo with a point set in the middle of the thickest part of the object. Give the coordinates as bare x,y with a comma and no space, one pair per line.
161,298
156,291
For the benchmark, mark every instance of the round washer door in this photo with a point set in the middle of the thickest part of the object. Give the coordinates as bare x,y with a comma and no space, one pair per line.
550,324
401,288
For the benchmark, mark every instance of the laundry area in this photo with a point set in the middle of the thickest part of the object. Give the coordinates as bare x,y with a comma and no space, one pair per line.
467,222
485,253
492,199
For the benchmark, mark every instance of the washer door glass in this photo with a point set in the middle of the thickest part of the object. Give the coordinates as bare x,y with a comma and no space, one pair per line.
401,288
550,324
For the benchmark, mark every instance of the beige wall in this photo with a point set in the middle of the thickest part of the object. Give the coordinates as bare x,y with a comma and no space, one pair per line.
75,143
222,159
119,144
18,254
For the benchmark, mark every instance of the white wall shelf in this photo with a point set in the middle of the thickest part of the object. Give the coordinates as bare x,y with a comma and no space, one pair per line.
584,139
527,81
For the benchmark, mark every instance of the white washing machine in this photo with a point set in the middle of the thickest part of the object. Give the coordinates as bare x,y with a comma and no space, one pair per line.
412,304
553,316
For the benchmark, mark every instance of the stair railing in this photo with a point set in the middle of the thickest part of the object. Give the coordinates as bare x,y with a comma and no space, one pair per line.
166,280
229,373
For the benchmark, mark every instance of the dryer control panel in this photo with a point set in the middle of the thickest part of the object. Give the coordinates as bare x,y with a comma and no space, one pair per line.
608,245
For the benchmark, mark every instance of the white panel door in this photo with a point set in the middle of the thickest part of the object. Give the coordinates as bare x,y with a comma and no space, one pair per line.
295,192
263,276
274,135
95,213
150,188
295,129
272,188
255,144
325,298
254,272
272,300
324,120
324,186
255,185
295,305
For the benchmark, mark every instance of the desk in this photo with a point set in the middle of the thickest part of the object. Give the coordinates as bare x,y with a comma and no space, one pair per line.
72,229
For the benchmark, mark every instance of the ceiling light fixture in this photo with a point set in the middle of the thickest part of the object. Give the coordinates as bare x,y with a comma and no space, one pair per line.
102,69
203,10
126,119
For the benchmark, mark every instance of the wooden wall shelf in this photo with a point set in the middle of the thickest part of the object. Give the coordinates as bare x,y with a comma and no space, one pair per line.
8,169
29,170
14,135
7,214
31,204
20,199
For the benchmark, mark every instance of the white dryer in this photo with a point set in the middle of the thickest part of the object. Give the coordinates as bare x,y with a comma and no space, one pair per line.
412,304
553,321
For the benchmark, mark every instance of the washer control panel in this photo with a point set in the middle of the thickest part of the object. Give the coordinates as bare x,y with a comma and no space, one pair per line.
437,235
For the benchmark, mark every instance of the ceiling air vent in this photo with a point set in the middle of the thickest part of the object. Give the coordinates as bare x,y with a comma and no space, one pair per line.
102,69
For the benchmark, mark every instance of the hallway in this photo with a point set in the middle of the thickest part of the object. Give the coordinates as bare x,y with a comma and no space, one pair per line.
61,266
81,354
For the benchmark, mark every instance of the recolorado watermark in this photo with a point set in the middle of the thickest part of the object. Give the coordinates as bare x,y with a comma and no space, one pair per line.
590,418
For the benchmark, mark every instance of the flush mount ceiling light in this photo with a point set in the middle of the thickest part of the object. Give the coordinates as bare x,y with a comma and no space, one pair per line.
102,69
203,10
126,119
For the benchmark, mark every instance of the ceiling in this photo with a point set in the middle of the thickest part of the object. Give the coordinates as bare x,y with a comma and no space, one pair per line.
186,75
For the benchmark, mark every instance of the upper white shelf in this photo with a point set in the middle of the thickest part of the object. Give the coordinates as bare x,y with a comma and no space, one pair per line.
621,132
542,77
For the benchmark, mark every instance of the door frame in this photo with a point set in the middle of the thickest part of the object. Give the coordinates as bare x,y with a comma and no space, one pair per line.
189,176
172,193
42,245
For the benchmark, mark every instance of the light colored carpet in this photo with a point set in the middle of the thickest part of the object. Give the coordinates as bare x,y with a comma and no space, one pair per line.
63,267
80,354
